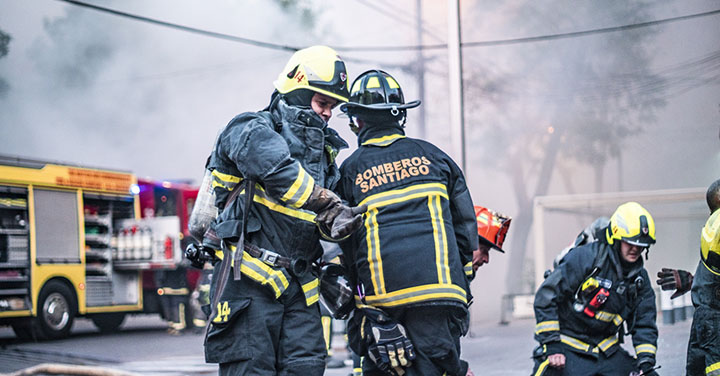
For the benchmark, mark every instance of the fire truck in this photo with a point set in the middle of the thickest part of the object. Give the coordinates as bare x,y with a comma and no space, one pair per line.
167,199
73,244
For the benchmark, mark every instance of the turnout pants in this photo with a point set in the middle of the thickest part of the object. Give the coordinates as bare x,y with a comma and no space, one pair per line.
435,334
620,363
703,355
256,334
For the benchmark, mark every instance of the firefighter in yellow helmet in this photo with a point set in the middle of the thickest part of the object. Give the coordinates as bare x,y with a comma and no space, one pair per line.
703,354
273,172
597,287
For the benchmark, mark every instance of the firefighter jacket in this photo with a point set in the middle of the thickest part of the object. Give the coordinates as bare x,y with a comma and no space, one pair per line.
419,231
286,150
565,315
706,287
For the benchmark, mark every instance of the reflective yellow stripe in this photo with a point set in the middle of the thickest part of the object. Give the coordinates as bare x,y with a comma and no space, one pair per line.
405,194
468,269
547,326
542,367
172,291
264,274
574,343
372,238
607,343
645,348
262,198
226,181
709,268
440,238
300,190
416,294
311,292
608,317
383,141
604,345
713,369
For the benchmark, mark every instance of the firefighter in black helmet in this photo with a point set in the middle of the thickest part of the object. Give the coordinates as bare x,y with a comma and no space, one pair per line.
411,261
272,173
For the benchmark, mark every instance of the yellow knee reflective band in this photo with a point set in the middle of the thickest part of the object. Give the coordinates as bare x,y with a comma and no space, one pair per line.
547,326
541,368
713,369
300,190
311,292
645,348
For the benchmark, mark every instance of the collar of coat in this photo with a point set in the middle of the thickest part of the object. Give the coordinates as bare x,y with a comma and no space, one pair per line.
380,134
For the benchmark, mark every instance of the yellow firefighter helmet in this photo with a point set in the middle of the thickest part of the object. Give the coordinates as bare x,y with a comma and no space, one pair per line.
316,68
710,242
632,224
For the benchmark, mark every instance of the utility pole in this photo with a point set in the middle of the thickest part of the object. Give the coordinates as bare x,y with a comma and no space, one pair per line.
457,117
420,69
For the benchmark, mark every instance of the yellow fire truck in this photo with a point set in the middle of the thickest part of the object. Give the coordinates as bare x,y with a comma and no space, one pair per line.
72,243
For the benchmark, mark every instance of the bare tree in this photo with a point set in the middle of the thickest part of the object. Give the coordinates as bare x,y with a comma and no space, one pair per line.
4,49
576,99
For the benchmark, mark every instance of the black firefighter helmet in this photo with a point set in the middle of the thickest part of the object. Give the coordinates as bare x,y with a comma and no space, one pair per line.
376,96
336,294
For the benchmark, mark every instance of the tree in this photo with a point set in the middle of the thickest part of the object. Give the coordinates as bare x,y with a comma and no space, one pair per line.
4,49
558,99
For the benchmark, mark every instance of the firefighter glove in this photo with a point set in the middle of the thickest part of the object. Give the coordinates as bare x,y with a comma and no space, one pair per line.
335,219
388,345
647,367
675,279
198,255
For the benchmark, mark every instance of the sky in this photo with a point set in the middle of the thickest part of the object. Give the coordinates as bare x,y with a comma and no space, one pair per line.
99,90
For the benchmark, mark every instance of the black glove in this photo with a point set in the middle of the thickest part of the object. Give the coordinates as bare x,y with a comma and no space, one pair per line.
335,219
198,255
647,367
675,279
387,343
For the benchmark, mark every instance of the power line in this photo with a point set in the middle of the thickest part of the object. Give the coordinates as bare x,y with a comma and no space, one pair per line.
186,28
488,43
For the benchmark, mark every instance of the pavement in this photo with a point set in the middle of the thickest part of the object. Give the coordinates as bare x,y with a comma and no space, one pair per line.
491,349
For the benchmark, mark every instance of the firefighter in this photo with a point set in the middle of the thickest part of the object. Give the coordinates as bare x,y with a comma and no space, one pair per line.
411,261
681,280
581,306
492,228
703,354
173,291
272,170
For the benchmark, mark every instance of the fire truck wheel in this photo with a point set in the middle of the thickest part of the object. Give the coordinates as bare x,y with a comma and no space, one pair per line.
56,310
108,322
